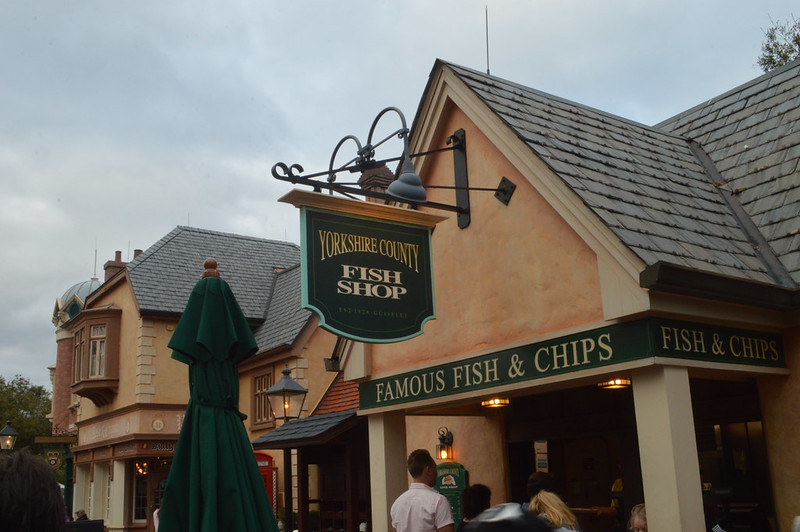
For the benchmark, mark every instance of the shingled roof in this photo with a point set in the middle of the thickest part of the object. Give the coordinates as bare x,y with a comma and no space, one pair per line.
285,316
752,135
163,276
655,187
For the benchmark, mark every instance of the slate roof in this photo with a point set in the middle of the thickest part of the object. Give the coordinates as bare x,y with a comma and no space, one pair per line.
651,186
163,276
314,430
285,315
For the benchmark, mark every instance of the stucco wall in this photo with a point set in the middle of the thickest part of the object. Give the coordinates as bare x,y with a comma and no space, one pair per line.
478,445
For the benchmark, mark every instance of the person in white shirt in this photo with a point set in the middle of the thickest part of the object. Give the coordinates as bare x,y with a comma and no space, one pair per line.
422,508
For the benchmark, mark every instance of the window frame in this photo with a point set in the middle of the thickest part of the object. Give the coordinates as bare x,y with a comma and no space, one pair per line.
97,350
258,399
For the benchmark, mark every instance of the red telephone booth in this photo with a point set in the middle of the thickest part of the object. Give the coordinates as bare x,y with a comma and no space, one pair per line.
266,466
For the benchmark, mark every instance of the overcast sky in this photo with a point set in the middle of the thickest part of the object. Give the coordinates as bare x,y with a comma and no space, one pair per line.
121,120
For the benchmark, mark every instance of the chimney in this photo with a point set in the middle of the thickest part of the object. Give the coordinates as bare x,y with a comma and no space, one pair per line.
376,179
136,253
113,267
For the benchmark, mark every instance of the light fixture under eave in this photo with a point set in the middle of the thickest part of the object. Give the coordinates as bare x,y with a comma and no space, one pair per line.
496,402
615,384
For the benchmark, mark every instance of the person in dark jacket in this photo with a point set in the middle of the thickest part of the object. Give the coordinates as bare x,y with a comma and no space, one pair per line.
474,500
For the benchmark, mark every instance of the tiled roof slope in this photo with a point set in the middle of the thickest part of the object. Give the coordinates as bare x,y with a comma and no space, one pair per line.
306,431
646,184
285,315
163,276
752,133
342,395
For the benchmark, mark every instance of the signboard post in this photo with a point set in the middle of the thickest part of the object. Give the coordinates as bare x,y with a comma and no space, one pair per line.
451,479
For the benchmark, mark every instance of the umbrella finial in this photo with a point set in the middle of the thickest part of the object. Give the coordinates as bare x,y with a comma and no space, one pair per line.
210,266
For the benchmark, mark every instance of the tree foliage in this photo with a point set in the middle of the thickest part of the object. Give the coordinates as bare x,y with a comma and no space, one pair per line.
782,44
26,405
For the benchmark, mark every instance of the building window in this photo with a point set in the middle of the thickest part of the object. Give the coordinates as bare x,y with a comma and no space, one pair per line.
140,491
97,351
261,412
77,365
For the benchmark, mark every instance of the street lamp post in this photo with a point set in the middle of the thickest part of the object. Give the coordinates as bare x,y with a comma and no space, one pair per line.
286,398
8,437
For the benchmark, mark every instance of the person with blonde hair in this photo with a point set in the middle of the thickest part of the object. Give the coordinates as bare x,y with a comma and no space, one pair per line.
553,511
638,522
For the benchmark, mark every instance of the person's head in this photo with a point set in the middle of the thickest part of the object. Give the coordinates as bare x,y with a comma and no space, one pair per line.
79,513
30,498
557,512
538,481
638,521
474,500
422,467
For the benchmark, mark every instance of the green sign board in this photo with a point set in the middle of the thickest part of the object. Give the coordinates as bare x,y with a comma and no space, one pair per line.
451,479
367,279
606,346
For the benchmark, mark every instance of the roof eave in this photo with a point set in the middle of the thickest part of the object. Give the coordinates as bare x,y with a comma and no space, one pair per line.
664,277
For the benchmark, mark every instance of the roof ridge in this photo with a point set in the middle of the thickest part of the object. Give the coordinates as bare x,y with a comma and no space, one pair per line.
652,129
235,235
740,88
147,253
776,269
150,251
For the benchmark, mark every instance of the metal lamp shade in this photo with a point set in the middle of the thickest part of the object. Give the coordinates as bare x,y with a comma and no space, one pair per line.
286,397
408,186
8,437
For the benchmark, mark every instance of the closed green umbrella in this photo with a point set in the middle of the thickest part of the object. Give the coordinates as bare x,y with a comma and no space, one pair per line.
213,483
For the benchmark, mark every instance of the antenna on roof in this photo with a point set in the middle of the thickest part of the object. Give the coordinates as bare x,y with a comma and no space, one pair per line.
487,39
94,275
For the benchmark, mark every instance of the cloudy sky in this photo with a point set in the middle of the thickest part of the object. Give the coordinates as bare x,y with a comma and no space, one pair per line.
121,120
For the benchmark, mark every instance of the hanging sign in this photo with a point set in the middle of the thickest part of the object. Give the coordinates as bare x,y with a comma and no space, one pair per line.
366,271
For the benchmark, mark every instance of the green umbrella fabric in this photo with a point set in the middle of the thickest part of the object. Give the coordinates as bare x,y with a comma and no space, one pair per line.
214,484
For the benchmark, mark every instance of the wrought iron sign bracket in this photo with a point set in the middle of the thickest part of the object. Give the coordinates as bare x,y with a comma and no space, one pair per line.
407,186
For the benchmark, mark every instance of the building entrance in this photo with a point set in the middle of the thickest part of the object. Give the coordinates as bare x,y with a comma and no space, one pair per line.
587,439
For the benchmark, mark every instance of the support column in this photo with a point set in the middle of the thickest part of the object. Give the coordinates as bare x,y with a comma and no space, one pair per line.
120,472
82,481
668,449
388,467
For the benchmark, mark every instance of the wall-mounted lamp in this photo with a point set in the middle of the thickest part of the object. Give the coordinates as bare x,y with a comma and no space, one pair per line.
407,187
444,449
286,397
615,384
496,402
